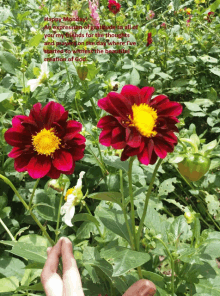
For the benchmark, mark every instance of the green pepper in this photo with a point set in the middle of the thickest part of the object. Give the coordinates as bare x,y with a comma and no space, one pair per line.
194,166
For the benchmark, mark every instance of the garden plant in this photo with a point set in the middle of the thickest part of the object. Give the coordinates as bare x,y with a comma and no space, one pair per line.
117,151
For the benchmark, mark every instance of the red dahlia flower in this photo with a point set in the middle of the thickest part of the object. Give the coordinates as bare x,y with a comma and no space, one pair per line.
114,6
149,39
45,143
138,124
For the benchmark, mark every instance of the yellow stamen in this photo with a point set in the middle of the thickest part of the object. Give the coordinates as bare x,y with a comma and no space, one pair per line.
46,142
144,119
69,191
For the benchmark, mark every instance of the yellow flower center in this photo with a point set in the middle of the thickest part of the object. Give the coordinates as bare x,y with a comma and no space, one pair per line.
69,191
144,119
46,142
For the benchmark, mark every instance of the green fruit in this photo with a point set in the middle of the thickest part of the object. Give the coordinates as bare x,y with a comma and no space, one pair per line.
194,166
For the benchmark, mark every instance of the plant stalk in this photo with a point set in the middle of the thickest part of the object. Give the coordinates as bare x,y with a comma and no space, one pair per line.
146,203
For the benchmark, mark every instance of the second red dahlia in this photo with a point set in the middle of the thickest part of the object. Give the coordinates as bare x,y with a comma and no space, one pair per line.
138,124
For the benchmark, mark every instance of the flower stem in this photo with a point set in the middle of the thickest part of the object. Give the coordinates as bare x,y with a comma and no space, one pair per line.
201,200
68,75
58,217
131,195
88,210
32,195
172,265
8,231
7,181
124,211
146,202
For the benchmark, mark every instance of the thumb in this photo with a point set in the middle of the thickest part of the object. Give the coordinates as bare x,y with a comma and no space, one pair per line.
141,288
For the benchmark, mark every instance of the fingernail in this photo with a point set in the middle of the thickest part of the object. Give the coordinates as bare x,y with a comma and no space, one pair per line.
48,249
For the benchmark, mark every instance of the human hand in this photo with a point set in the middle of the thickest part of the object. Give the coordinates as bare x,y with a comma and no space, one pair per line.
70,284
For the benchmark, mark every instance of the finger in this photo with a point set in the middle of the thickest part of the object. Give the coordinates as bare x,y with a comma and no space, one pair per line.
51,281
72,285
141,288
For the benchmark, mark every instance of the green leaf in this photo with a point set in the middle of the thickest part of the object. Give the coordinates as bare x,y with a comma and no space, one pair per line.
180,229
124,259
207,148
27,251
192,106
134,77
213,8
51,211
35,41
167,187
109,196
191,59
8,284
115,162
114,220
209,286
85,217
10,266
9,62
215,71
35,287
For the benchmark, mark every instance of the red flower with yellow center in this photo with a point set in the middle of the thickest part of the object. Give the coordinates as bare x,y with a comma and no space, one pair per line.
138,124
45,143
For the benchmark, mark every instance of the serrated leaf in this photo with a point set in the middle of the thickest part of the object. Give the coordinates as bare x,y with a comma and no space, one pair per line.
8,284
114,220
124,259
85,217
9,62
109,196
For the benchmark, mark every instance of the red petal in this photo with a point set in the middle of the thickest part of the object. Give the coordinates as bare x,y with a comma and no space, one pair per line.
17,120
53,173
145,156
158,101
36,116
39,166
21,163
153,158
118,138
73,127
70,172
132,94
115,104
77,140
52,112
17,136
134,139
107,121
105,138
170,109
161,148
62,160
15,152
77,152
146,94
169,136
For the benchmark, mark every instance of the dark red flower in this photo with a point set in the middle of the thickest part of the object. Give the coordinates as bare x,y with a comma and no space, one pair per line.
149,39
163,25
114,6
45,143
210,16
138,124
